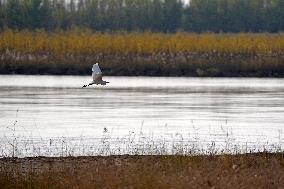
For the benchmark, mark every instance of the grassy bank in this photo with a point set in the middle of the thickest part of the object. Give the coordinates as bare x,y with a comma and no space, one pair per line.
261,170
155,54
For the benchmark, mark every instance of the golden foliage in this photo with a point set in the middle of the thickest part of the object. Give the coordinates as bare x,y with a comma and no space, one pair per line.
83,41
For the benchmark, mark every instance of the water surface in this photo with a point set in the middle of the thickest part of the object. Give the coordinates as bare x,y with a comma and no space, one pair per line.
246,111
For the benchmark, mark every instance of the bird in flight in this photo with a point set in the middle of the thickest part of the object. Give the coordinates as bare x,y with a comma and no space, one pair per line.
97,76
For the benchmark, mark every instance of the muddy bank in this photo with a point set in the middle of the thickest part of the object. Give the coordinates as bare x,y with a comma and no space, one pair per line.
226,171
195,65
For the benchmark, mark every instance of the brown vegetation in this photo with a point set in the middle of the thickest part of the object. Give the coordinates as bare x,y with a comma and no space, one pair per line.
74,51
224,171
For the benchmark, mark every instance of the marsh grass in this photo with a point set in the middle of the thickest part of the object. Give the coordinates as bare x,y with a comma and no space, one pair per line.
121,53
84,42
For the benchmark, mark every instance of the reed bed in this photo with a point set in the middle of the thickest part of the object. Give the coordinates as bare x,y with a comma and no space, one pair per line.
122,53
85,42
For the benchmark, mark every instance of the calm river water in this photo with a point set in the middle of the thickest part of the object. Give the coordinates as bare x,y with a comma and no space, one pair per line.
53,115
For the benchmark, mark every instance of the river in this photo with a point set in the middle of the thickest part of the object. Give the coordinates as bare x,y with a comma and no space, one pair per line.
54,116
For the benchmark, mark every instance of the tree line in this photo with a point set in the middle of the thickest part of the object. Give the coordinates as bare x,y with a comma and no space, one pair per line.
141,15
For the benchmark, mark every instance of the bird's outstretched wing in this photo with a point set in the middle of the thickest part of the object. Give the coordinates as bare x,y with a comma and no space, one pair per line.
96,69
97,73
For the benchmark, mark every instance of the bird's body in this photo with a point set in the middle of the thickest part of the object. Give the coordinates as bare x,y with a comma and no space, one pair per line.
97,76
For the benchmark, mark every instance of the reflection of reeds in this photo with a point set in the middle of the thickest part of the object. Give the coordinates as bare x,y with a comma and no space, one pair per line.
72,52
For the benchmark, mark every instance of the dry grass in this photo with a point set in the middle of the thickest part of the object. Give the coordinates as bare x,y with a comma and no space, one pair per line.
86,42
225,171
121,53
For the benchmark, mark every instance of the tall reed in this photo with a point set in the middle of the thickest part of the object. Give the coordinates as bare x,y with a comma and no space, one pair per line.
154,54
84,41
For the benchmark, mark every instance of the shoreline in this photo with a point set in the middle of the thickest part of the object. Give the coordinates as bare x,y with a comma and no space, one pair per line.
147,65
261,170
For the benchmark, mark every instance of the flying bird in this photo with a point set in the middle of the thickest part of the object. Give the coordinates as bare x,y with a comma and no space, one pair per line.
97,76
